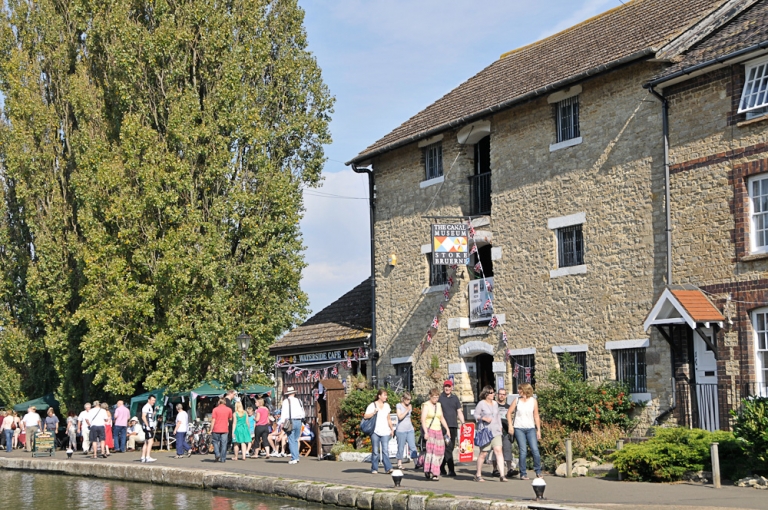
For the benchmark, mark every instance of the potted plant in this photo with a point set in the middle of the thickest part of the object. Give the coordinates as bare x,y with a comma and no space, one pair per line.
359,381
434,372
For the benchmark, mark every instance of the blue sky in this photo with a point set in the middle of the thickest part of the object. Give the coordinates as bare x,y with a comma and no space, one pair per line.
384,61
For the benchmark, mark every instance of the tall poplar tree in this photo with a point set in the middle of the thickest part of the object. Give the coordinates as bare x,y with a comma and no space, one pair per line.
153,156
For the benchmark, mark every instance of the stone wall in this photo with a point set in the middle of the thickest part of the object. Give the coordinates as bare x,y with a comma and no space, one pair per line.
614,177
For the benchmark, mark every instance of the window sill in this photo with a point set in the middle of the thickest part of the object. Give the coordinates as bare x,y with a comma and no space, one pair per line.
749,122
433,289
431,182
640,397
566,271
565,143
754,256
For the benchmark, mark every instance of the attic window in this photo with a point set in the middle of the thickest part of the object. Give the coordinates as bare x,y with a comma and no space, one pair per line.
755,94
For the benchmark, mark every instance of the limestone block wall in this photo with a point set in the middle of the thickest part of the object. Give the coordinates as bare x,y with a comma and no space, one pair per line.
614,177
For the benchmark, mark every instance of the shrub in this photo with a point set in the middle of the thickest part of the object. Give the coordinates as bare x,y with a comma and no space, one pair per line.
584,443
751,430
352,409
338,448
581,405
672,452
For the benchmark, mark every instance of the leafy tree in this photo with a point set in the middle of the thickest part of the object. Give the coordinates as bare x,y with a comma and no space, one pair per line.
153,159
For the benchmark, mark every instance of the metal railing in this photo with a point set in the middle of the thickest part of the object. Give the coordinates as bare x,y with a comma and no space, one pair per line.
480,194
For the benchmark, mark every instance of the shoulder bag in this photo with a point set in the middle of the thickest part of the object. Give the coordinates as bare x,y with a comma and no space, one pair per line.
483,436
419,463
368,425
288,425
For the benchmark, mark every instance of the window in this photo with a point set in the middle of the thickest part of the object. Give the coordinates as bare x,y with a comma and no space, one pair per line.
438,275
433,160
521,362
403,377
755,94
570,246
760,325
579,358
567,115
630,369
483,256
758,198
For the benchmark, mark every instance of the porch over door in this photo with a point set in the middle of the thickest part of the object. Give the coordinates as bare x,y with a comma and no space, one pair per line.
705,365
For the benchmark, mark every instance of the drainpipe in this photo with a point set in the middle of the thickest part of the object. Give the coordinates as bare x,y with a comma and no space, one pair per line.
668,228
374,354
667,199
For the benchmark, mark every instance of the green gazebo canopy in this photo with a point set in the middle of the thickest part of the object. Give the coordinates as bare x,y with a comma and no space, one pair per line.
139,400
41,404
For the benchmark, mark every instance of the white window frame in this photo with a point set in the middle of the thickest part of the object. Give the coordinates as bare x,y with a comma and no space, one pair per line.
761,350
569,124
433,161
754,95
754,218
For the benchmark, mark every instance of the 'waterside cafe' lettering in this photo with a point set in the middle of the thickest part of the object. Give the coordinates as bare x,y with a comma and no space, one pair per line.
321,357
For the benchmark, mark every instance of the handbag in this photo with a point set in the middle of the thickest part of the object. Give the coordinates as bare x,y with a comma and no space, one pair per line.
483,437
368,425
288,425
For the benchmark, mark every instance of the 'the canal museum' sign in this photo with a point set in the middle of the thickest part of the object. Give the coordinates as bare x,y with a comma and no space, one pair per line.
449,244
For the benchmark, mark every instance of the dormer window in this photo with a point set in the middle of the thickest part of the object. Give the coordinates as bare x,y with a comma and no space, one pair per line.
754,97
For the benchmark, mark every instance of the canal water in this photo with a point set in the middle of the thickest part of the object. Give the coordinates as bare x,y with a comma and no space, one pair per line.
24,491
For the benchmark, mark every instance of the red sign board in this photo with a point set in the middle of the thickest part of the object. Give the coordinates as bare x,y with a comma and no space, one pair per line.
467,442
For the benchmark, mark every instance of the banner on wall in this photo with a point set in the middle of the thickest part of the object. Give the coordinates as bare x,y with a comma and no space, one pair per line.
467,442
449,244
479,308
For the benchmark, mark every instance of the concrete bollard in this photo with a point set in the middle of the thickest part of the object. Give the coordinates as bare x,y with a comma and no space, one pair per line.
619,446
715,465
568,458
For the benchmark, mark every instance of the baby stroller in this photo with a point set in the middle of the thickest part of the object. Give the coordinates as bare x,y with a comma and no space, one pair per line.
327,439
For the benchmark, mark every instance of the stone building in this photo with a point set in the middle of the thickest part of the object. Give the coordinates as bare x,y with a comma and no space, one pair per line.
555,156
332,344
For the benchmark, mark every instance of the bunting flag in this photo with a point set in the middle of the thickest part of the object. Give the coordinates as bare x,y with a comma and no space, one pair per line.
473,250
435,323
478,268
325,373
488,286
429,337
441,309
494,322
506,354
450,281
487,304
528,374
298,373
517,371
471,231
334,371
504,338
349,363
447,294
454,267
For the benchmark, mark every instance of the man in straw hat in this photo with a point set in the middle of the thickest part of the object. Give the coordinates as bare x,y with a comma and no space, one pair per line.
292,412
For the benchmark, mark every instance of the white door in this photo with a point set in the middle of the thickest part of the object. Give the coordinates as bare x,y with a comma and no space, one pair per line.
706,381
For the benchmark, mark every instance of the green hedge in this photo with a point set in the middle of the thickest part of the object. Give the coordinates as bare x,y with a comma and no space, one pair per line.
751,429
671,452
353,408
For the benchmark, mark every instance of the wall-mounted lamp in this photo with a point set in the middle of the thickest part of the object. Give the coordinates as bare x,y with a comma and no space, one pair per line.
392,261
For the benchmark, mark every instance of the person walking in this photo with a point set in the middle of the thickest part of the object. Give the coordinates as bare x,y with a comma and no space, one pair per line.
148,425
109,440
120,426
526,427
382,431
432,425
506,437
220,419
97,433
83,429
240,433
72,430
30,424
488,417
262,427
404,431
180,432
250,419
292,411
454,417
8,427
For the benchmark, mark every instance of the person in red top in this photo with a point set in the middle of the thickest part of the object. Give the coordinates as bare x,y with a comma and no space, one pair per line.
262,426
221,417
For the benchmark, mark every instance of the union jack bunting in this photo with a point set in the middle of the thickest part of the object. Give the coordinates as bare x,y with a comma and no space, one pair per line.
471,231
506,355
334,371
528,374
325,374
441,309
349,363
298,373
447,294
429,336
454,266
435,322
517,371
450,281
494,322
488,286
504,338
478,268
487,304
473,250
291,370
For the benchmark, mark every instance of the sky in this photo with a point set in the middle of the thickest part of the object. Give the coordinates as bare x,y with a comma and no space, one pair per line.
384,61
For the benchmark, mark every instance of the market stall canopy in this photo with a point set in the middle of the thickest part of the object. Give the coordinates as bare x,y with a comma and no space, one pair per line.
139,400
210,389
41,404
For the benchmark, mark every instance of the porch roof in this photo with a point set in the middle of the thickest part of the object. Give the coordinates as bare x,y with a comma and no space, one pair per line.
683,305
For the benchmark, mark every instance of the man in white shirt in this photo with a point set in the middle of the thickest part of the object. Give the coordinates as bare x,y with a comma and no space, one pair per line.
134,433
293,412
30,424
180,431
148,425
82,427
97,420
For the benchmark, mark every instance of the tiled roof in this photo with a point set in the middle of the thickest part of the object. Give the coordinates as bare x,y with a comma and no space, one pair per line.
346,319
743,31
698,306
620,34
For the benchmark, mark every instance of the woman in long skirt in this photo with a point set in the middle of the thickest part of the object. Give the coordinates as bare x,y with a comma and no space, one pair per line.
432,425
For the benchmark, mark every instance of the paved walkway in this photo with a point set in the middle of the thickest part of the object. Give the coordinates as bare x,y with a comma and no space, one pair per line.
580,492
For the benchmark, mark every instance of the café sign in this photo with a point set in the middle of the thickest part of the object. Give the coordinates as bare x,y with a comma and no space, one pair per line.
322,357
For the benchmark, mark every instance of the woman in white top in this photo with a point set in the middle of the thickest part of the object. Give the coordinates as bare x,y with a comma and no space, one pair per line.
382,432
526,427
8,427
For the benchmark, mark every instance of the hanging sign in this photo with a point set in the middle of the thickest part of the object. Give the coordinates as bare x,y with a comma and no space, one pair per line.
467,442
449,244
480,305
